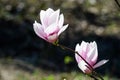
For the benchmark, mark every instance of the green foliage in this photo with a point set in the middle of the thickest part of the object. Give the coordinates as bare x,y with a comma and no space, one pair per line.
50,77
68,59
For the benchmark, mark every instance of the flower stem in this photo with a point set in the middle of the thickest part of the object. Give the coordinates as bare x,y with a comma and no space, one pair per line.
98,75
92,76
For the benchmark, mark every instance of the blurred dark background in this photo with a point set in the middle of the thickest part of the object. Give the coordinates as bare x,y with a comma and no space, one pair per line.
89,20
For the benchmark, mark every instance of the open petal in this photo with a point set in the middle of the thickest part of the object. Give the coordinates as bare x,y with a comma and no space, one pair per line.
53,18
51,29
61,21
39,30
49,11
83,66
92,44
62,29
78,58
95,56
84,46
100,63
84,49
92,57
42,16
77,48
93,52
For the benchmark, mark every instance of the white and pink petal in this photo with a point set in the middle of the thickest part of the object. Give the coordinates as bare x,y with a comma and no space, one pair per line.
100,63
51,29
63,29
39,30
61,21
83,66
53,18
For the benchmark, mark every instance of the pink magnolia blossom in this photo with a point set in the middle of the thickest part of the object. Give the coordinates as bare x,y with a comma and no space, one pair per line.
90,53
51,25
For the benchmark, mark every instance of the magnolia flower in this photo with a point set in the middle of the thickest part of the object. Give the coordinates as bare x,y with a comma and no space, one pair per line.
51,25
90,53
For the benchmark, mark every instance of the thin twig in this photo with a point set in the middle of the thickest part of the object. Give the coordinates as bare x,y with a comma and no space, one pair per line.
116,1
93,77
98,75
